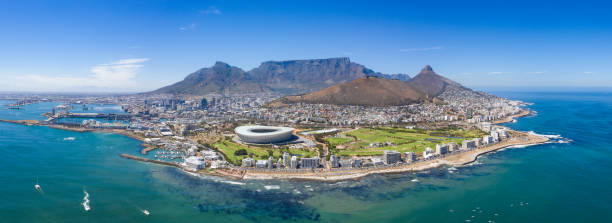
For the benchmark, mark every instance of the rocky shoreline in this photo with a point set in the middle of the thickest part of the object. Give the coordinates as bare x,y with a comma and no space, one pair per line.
459,159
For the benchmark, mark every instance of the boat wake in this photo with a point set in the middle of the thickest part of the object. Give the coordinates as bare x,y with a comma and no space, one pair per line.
86,201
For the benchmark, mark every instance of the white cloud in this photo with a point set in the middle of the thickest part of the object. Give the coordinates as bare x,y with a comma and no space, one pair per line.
422,49
188,27
115,75
588,72
212,10
496,72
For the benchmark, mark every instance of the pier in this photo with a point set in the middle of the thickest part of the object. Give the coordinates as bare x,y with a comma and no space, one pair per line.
96,115
142,159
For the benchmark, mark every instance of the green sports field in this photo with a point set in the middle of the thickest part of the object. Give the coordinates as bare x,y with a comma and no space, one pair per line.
358,141
228,148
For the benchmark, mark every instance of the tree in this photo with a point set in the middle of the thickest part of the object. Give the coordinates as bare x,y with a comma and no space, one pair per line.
241,152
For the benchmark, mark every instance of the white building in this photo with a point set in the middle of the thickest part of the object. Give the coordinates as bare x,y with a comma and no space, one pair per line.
294,162
195,163
428,153
410,157
468,145
248,162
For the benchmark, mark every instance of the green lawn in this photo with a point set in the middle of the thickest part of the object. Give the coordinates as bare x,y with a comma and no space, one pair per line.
403,140
228,148
335,141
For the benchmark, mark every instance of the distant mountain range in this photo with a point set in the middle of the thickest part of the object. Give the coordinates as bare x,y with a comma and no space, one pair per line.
374,91
285,77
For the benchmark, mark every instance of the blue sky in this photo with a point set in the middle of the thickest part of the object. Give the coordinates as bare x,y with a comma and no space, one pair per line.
142,45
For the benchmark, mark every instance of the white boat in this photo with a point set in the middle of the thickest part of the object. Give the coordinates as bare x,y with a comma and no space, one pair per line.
37,186
146,212
69,139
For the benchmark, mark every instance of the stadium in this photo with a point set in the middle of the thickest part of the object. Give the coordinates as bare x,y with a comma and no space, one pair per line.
264,134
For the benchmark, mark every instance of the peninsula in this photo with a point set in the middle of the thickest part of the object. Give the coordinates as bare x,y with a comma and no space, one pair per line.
250,125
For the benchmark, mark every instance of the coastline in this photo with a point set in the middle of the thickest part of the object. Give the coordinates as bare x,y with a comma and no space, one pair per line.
524,112
459,159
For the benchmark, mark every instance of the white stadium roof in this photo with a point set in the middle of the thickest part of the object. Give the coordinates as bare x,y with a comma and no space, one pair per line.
264,134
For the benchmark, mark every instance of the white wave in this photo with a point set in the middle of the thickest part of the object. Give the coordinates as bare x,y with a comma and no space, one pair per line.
296,191
564,141
272,187
69,139
86,201
232,182
520,146
542,135
415,180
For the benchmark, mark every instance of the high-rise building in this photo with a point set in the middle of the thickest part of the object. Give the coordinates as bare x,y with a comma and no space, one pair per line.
309,163
468,144
453,147
410,157
391,157
442,149
270,162
279,163
335,161
294,162
287,160
204,104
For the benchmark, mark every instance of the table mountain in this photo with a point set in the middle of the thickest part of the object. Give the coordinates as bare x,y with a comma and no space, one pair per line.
285,77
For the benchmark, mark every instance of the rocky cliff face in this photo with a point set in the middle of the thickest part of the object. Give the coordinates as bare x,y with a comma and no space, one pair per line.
287,77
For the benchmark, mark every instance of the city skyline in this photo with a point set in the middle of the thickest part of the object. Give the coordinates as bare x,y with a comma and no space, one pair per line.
107,46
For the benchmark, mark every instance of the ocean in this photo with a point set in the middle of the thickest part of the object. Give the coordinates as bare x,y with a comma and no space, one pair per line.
564,181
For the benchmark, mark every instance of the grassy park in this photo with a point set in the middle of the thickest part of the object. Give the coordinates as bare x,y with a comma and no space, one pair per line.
234,152
357,142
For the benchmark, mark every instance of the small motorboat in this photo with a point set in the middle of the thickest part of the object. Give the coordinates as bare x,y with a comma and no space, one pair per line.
37,186
146,212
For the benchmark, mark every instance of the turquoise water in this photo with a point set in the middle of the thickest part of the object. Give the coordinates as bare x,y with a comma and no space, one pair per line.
557,182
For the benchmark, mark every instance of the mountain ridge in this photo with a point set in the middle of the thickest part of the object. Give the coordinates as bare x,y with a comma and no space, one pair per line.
285,77
373,91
